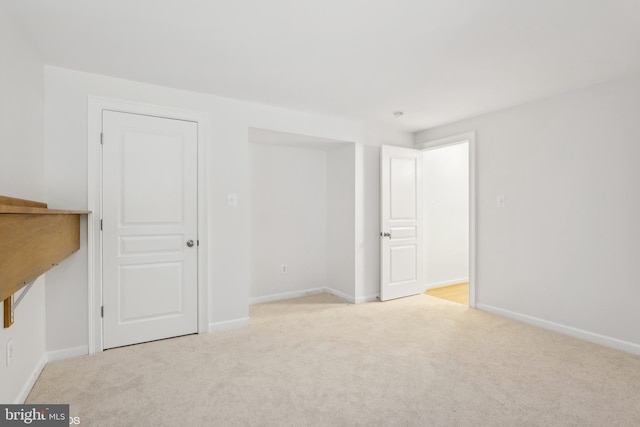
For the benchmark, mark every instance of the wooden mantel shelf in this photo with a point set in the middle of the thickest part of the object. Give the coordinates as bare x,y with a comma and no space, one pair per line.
33,239
4,209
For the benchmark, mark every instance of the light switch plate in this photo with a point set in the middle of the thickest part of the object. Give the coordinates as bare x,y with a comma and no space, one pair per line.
232,200
501,201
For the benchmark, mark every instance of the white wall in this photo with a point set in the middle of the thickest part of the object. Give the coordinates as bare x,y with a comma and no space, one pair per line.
21,175
21,86
564,250
341,219
303,215
368,246
66,93
445,172
288,220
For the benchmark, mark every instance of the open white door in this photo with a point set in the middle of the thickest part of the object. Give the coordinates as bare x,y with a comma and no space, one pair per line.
400,222
150,229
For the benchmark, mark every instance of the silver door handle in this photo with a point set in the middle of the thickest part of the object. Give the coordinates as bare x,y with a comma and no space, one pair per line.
190,243
385,234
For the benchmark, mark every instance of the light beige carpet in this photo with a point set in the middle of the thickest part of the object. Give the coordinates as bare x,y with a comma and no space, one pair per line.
316,361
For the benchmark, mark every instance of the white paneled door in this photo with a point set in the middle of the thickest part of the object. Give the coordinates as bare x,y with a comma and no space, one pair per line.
400,222
149,237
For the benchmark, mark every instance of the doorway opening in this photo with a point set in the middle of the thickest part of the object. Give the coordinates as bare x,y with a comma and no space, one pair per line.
441,217
446,220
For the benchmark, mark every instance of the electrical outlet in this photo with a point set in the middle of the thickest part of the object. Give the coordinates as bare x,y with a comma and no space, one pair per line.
9,351
283,269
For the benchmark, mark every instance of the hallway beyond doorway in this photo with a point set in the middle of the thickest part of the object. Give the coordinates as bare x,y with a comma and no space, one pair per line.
458,293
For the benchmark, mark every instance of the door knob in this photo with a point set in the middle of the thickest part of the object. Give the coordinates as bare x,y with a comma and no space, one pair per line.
190,243
385,234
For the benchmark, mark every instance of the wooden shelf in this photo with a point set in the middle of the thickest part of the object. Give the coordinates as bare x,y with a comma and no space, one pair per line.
36,211
33,239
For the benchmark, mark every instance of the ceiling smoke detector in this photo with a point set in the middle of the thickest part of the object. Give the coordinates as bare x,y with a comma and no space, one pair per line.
398,114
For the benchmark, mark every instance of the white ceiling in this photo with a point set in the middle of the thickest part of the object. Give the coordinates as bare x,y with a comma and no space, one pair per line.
437,60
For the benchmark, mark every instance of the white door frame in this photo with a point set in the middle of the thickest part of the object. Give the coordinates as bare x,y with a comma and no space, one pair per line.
469,137
94,238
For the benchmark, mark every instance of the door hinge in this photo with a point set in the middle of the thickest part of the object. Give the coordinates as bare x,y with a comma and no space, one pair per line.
102,311
101,138
100,225
198,242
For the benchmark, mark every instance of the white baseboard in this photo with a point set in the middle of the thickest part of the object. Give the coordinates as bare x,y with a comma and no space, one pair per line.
67,353
229,324
627,346
370,298
26,389
342,295
304,292
446,283
285,295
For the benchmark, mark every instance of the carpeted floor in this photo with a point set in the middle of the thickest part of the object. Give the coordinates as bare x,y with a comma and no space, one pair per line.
316,361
